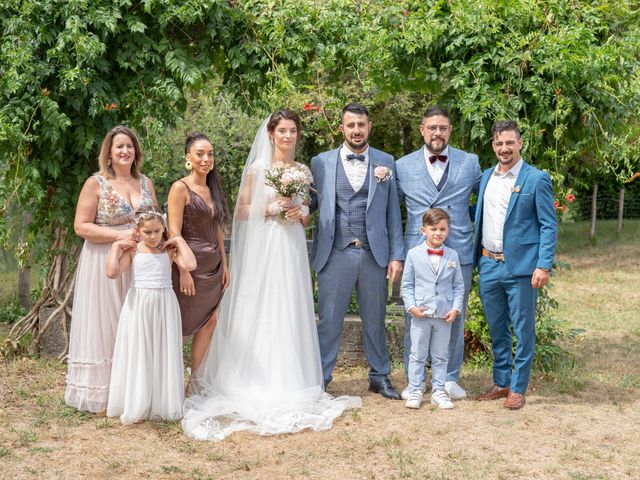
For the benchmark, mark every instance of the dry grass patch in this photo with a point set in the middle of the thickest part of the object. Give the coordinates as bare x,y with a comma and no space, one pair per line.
578,424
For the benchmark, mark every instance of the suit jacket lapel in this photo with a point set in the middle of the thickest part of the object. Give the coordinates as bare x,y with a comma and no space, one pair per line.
454,169
372,178
486,175
330,178
421,167
522,176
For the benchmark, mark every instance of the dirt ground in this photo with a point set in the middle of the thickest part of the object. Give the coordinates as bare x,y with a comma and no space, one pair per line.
582,423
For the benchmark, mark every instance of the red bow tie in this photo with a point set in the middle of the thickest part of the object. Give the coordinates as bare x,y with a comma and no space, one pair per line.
433,158
435,252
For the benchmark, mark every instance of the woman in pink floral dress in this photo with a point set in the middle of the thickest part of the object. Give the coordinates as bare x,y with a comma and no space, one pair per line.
105,213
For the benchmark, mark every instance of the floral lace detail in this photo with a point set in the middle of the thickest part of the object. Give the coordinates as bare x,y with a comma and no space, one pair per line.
113,209
276,217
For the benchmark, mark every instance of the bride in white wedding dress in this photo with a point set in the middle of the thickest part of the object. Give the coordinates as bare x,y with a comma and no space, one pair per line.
262,372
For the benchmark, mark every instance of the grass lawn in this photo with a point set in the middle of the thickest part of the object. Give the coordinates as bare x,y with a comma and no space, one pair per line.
580,424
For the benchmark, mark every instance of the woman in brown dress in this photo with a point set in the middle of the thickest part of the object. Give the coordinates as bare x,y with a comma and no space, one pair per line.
196,210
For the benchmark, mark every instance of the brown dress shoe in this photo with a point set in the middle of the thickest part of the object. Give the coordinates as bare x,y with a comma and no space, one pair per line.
514,401
493,394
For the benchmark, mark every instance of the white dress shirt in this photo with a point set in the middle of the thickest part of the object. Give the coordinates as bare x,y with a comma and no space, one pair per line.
437,168
435,259
356,170
497,194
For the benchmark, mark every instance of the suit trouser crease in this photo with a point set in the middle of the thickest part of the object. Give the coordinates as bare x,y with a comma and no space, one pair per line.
344,270
509,302
456,342
429,337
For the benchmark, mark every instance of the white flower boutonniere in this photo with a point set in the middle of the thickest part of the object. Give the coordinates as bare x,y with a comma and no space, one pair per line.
382,174
515,189
451,264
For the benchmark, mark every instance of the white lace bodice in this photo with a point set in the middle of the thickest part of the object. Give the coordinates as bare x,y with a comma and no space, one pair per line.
151,270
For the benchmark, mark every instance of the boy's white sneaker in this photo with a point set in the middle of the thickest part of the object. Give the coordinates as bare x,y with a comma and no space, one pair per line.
441,400
414,399
405,393
455,391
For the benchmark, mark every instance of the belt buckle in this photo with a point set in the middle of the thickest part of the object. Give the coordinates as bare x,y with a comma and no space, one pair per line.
499,257
357,243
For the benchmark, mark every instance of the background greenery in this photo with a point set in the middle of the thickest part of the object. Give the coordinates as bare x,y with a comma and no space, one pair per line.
568,71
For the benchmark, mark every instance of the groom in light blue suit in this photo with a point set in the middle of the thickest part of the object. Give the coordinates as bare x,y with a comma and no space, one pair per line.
440,176
357,243
514,247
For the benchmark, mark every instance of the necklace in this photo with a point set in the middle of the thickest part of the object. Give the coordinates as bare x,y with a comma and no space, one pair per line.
123,179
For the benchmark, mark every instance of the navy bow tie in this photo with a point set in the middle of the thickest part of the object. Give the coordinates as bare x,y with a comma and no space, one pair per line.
356,156
433,158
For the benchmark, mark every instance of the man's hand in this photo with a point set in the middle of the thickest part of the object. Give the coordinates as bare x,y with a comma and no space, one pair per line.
394,270
540,278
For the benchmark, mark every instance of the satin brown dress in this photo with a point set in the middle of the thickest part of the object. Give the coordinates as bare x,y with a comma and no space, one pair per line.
199,230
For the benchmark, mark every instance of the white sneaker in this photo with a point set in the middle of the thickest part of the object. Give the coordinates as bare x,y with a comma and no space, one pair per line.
441,399
405,393
414,399
455,391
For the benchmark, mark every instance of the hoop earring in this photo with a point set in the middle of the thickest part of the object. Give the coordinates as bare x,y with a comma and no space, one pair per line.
188,165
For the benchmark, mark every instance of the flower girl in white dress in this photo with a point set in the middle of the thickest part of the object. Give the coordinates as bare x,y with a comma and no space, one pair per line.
147,370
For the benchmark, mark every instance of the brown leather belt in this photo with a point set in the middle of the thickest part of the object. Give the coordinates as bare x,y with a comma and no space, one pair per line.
498,257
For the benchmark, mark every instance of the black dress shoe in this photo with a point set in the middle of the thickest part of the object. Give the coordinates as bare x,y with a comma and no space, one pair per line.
384,388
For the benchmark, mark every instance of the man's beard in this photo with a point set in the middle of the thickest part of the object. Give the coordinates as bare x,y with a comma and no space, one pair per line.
356,146
437,151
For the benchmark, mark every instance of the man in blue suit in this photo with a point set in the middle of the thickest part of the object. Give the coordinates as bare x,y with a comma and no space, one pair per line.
357,243
516,235
441,176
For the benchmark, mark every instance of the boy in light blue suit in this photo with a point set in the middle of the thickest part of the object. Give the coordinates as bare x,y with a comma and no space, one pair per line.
439,175
433,294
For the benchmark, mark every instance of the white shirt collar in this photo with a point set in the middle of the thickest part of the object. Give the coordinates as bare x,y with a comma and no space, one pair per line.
513,171
344,151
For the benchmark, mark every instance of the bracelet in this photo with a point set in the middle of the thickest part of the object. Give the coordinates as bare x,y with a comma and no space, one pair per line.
304,210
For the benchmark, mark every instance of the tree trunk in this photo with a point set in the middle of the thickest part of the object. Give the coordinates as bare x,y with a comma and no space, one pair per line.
620,211
55,297
594,209
24,286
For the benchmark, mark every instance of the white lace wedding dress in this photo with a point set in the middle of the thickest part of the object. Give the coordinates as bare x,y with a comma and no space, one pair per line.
263,371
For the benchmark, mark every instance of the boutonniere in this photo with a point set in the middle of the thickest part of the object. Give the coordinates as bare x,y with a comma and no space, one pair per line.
382,174
451,264
515,189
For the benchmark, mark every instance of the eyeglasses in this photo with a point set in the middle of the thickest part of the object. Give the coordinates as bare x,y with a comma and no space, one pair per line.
435,128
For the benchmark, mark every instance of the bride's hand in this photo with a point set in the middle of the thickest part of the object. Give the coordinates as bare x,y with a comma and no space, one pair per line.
187,287
295,212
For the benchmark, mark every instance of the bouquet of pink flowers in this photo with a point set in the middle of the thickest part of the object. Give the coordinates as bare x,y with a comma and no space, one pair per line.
290,181
293,182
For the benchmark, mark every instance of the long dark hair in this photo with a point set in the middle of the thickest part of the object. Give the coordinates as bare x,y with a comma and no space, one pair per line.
214,181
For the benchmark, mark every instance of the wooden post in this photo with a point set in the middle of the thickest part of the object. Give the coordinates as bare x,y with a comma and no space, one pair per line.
620,211
594,208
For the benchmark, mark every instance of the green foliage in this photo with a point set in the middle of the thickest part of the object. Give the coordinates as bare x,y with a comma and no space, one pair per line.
72,70
11,310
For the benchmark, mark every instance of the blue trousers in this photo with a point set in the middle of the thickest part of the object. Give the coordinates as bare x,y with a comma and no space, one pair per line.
456,342
346,269
509,301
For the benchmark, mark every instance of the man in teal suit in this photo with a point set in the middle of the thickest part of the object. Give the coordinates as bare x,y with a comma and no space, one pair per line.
439,175
516,234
